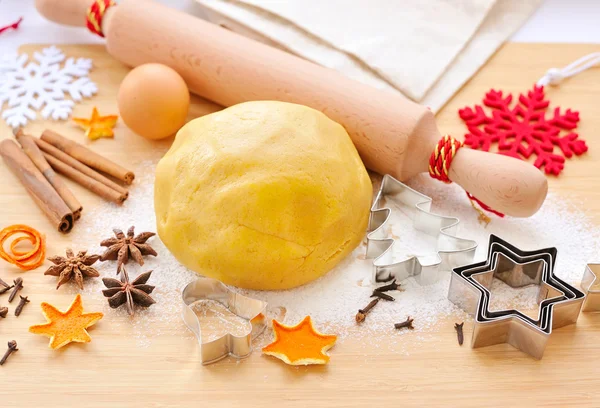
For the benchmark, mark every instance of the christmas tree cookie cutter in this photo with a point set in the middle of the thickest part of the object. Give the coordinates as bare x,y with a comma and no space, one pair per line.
590,285
558,308
451,250
252,310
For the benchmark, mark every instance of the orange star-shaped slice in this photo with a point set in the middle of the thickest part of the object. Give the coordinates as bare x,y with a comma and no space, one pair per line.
97,126
67,327
301,344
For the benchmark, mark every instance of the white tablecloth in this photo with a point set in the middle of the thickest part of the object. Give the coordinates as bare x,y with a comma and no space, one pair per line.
576,21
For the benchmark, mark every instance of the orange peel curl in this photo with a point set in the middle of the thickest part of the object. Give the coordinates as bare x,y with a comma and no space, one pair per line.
24,259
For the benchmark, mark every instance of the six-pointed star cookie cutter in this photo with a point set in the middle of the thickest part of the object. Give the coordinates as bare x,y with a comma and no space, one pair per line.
560,303
521,275
451,250
252,310
589,285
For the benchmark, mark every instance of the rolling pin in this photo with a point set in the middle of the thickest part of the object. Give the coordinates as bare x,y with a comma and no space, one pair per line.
392,134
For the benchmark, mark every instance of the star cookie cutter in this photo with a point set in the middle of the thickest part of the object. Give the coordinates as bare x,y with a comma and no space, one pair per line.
252,310
505,257
451,250
590,284
522,332
566,308
558,307
516,275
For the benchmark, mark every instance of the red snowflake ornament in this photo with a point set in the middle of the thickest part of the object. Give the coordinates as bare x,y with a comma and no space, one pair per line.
524,130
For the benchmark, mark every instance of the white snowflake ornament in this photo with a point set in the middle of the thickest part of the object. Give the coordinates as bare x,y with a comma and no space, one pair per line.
28,87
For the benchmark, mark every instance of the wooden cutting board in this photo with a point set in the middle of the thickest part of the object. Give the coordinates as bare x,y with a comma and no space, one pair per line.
113,371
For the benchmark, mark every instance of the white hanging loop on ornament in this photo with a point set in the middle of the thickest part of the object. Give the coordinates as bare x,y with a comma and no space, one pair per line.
555,76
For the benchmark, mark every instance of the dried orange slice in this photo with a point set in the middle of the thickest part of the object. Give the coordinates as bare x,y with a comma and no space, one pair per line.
24,259
301,344
67,327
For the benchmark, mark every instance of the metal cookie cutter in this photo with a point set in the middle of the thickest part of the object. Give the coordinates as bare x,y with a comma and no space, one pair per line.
252,310
590,284
451,251
504,326
558,307
565,310
529,336
516,275
512,254
521,331
517,271
555,312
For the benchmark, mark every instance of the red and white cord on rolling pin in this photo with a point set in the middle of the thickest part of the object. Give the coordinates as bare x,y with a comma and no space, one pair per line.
439,165
95,14
442,156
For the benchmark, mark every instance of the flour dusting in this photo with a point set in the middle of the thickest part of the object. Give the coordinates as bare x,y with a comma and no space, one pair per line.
334,299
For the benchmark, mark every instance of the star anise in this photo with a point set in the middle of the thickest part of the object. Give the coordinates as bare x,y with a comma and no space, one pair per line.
122,247
74,267
122,291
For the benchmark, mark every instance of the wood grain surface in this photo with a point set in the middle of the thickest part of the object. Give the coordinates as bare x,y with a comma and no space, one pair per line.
113,371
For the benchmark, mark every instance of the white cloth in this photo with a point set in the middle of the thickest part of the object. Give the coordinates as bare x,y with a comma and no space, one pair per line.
426,49
505,18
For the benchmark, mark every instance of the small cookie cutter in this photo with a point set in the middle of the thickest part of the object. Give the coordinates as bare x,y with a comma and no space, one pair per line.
517,275
566,309
513,327
558,307
589,285
547,293
503,327
252,310
451,250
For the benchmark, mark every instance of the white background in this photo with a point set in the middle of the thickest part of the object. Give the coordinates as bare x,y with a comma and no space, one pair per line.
573,21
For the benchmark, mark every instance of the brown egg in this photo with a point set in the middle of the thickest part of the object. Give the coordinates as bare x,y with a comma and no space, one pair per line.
153,101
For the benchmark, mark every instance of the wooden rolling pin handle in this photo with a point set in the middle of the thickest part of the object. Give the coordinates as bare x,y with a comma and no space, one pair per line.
504,183
66,12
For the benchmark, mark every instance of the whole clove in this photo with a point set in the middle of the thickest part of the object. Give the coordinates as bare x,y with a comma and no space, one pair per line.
382,295
362,313
17,287
3,311
459,332
390,286
22,304
12,347
4,287
407,323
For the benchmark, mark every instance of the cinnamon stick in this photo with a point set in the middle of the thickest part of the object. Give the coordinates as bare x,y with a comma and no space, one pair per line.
86,156
36,156
93,185
76,164
37,186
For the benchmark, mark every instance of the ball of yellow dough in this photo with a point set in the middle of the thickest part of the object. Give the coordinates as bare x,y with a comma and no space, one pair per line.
153,101
262,195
